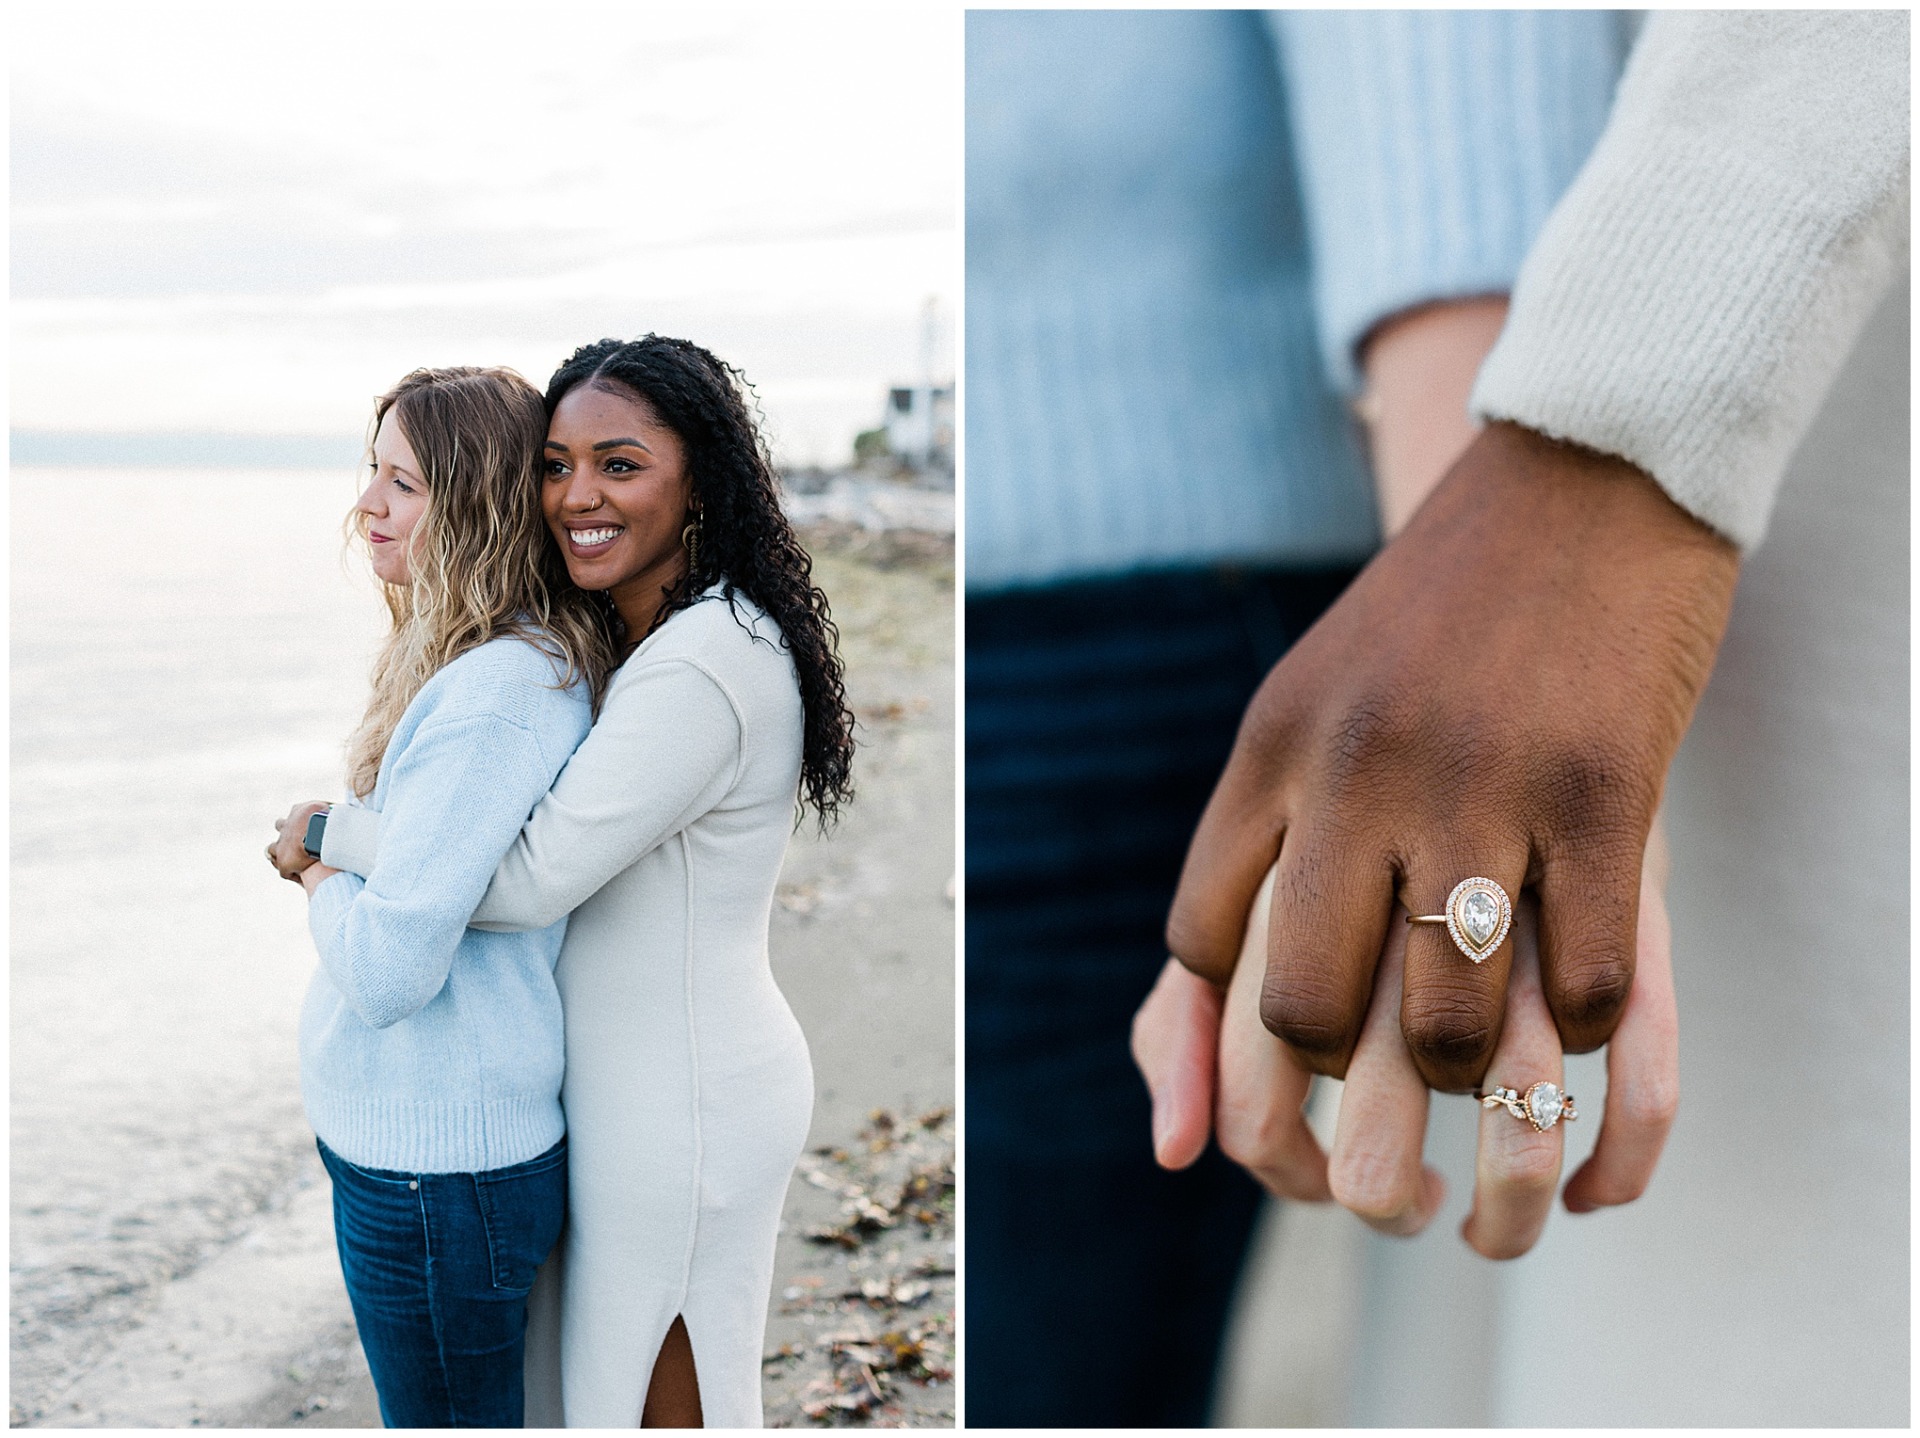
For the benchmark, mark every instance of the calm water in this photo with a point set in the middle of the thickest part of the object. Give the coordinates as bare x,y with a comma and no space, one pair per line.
188,652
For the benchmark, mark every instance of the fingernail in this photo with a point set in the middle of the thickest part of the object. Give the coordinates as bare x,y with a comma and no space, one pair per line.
1578,1205
1160,1126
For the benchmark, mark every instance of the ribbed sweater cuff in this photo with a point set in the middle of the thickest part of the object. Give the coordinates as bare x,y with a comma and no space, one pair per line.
329,902
1432,145
426,1137
1694,295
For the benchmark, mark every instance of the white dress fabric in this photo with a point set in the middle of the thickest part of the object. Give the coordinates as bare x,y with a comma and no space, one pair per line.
688,1088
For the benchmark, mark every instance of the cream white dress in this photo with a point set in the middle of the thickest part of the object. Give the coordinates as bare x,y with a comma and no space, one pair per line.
688,1088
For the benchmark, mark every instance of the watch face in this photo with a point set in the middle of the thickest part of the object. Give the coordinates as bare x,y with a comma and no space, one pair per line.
316,830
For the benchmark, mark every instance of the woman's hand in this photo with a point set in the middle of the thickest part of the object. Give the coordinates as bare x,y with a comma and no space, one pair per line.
1211,1064
288,853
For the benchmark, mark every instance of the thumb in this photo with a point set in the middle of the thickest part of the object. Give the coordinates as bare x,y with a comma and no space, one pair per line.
1176,1035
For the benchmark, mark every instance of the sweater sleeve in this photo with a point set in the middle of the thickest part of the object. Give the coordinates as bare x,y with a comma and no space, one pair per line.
1696,292
351,840
666,748
1432,145
455,798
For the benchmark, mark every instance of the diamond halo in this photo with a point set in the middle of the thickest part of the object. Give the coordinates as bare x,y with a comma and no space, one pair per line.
1478,917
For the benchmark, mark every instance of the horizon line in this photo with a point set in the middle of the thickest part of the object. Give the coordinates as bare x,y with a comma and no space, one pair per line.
164,449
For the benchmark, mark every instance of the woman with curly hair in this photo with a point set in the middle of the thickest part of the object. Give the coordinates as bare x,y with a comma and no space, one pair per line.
688,1089
431,1053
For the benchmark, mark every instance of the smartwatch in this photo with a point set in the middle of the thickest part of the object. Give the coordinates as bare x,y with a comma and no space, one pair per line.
316,831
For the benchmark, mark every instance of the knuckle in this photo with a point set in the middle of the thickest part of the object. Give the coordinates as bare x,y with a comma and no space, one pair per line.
1529,1168
1451,1033
1246,1128
1649,1106
1587,993
1202,946
1308,1015
1370,1184
1270,725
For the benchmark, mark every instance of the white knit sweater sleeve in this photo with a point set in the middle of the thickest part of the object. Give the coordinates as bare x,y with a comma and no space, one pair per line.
1696,291
666,748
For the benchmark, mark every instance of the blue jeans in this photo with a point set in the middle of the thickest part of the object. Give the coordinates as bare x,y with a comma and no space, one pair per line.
438,1266
1099,715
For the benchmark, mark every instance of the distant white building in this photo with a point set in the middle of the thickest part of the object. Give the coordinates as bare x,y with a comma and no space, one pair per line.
919,424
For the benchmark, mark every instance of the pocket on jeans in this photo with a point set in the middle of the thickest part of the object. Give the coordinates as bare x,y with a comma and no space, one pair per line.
523,1208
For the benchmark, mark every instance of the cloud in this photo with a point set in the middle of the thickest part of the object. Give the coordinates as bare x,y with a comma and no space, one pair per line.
263,229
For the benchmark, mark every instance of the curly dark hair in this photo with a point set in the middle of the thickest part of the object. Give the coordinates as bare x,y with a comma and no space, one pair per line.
746,541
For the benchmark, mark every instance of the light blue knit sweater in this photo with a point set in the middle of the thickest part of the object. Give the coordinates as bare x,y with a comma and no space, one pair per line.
1180,223
427,1046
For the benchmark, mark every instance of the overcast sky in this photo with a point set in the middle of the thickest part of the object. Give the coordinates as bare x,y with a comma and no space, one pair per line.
251,219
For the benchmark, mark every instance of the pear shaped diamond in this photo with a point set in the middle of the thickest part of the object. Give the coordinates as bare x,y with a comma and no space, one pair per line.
1544,1105
1478,916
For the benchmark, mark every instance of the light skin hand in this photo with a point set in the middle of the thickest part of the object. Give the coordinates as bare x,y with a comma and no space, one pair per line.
1176,1036
1213,1069
1420,367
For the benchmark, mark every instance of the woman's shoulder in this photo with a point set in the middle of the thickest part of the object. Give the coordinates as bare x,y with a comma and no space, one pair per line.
724,631
515,677
729,639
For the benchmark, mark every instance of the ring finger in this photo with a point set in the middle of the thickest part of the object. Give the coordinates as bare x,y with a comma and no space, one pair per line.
1518,1165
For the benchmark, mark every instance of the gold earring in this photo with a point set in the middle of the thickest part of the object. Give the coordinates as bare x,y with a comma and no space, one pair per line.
690,537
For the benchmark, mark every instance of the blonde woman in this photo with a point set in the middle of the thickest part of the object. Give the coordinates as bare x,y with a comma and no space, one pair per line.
431,1054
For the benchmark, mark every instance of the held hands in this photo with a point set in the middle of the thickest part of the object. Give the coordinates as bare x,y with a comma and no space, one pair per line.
288,853
1499,693
1210,1064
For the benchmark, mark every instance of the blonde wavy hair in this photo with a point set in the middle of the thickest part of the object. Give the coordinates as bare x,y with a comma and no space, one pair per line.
482,565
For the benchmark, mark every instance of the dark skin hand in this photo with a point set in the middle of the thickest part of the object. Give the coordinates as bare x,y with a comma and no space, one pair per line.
288,853
1498,694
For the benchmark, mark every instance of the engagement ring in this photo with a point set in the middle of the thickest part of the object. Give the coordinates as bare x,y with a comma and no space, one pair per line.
1478,916
1543,1106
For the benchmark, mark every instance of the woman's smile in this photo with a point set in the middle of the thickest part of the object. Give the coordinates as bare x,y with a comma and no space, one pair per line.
616,496
590,541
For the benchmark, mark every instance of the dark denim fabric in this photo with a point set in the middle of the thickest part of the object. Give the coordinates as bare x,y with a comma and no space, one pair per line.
1099,715
438,1266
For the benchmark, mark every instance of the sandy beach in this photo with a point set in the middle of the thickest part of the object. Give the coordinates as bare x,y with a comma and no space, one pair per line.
181,682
